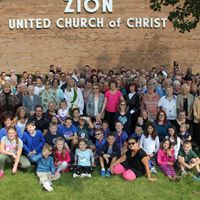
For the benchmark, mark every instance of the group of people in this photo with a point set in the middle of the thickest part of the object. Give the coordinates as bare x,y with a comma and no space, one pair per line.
129,122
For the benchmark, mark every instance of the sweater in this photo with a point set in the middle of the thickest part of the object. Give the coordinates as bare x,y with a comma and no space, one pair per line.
163,158
35,142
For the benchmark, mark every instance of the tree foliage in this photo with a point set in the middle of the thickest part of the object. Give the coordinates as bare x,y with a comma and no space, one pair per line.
185,14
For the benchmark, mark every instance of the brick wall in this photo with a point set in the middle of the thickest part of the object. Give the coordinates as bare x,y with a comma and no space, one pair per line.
102,48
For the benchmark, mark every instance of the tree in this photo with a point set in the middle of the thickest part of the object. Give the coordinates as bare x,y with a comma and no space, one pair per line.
185,14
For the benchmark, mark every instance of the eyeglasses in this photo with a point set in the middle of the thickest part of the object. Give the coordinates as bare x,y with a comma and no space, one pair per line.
161,115
95,88
96,134
131,143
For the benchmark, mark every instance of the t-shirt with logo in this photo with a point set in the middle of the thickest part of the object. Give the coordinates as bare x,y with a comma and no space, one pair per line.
12,146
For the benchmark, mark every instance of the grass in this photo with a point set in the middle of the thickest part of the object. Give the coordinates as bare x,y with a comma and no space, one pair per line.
25,185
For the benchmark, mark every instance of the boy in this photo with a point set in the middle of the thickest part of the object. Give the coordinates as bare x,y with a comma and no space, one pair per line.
45,168
188,159
52,134
110,151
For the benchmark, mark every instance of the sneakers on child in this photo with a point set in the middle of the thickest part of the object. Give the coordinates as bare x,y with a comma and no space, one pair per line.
88,175
1,173
153,170
103,173
47,186
108,173
184,173
75,175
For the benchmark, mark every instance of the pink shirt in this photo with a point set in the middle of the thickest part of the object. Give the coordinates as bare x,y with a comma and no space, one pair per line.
112,101
163,158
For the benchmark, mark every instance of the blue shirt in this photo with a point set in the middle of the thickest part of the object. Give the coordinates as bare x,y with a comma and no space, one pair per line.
99,145
3,132
35,142
44,164
67,132
84,158
121,139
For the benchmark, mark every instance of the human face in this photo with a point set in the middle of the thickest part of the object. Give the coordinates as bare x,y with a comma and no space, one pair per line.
31,90
171,131
82,146
47,85
182,115
132,144
150,129
132,88
118,127
104,126
55,83
144,115
76,113
22,113
166,145
60,145
186,148
98,135
53,130
63,105
169,91
6,89
46,153
111,140
161,116
112,86
68,123
7,122
95,89
183,129
38,112
72,83
51,107
31,129
12,134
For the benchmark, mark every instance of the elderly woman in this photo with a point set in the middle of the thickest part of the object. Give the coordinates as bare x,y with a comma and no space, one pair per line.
8,102
185,101
168,103
59,92
132,164
150,101
74,96
31,100
95,101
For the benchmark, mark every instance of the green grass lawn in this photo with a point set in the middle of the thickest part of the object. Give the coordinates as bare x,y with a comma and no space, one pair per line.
25,185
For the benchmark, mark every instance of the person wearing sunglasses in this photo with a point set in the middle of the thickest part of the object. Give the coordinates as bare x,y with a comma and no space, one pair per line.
132,164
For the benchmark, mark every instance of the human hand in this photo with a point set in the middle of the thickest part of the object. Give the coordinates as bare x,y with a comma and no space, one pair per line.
152,179
13,155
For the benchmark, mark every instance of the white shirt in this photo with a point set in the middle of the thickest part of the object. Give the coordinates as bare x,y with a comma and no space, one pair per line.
149,145
38,89
96,106
169,106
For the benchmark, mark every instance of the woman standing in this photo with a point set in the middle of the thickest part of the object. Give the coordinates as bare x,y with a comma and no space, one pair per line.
150,101
111,103
133,102
95,101
21,118
59,92
133,164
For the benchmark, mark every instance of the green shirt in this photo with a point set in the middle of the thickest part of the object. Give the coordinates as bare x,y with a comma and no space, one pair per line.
187,156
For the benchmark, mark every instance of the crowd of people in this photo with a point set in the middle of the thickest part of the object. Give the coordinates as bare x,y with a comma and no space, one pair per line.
129,122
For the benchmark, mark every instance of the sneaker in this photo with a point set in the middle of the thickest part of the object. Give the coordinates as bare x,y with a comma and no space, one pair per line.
88,175
153,170
184,173
47,186
75,175
195,178
103,173
1,173
108,173
83,175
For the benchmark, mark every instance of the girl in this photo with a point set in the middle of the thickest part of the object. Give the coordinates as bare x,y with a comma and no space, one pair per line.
166,160
149,141
21,118
11,150
61,155
63,111
174,140
84,161
33,141
184,134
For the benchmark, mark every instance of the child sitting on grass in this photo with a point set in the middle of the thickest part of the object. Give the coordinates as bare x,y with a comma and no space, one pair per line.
11,151
61,155
166,159
84,161
188,159
109,153
45,168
